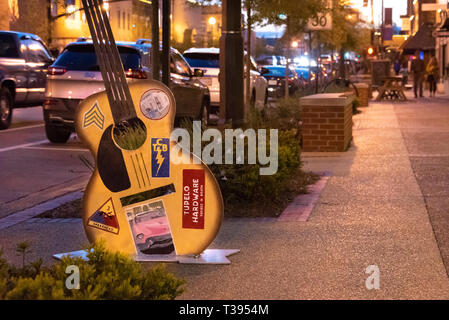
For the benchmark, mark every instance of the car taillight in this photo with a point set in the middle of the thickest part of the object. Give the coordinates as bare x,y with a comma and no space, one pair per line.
135,74
55,71
50,102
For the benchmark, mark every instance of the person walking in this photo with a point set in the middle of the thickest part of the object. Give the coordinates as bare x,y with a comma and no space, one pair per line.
433,72
418,69
397,66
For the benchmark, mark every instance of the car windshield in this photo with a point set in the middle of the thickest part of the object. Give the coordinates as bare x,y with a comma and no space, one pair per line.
83,58
278,72
8,47
203,60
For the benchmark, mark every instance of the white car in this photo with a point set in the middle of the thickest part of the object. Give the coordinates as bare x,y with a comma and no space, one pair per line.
207,59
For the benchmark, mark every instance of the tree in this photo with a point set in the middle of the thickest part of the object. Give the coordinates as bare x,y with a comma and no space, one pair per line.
293,15
347,34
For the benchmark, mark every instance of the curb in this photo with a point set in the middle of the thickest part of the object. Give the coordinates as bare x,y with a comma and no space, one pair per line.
30,213
302,206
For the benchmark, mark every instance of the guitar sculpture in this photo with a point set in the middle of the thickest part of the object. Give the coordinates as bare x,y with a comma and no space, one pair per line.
137,200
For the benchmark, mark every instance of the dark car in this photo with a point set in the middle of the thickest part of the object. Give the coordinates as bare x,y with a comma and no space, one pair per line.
75,75
276,81
24,60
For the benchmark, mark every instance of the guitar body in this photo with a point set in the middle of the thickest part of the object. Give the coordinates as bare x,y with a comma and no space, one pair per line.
128,202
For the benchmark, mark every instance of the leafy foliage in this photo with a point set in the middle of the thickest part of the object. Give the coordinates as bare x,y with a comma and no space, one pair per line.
105,275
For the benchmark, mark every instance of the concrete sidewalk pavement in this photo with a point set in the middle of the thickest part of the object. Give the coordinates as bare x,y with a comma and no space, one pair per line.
372,212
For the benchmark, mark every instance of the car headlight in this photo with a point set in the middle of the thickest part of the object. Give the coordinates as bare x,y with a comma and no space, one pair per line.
140,236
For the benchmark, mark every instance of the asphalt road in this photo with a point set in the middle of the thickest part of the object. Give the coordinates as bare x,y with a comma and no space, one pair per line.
33,170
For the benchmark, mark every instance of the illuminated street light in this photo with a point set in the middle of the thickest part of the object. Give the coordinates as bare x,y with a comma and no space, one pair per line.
212,21
70,9
295,44
106,6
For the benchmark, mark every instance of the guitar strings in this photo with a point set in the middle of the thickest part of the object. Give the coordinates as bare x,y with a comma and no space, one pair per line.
113,73
121,74
106,44
107,76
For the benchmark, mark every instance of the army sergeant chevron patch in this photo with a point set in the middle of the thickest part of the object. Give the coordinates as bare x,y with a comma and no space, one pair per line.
94,117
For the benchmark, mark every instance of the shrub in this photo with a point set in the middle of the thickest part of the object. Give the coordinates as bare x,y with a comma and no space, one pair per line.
105,275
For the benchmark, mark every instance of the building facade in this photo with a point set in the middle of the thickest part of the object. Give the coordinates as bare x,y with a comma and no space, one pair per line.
130,20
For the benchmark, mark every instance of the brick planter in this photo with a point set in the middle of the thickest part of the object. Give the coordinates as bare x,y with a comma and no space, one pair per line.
364,94
327,122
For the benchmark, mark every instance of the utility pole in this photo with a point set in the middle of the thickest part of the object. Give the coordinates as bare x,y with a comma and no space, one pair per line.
155,50
248,52
231,65
287,67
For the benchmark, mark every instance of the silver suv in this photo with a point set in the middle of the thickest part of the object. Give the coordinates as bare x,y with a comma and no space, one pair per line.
75,75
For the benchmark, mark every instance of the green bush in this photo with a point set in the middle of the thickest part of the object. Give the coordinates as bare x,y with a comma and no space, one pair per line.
105,275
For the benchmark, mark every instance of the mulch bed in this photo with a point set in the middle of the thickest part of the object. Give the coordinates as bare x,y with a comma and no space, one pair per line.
267,207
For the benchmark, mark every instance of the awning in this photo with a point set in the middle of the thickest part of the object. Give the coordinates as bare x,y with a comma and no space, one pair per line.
423,40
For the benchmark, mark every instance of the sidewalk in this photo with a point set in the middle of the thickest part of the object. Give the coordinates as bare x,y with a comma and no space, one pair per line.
372,212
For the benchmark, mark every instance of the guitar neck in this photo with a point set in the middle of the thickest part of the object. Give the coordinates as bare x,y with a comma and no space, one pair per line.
111,67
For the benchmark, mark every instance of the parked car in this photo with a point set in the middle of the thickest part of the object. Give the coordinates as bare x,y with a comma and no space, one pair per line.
24,60
276,81
76,75
272,61
207,59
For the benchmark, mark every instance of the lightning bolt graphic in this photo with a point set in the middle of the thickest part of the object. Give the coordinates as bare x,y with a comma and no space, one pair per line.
160,160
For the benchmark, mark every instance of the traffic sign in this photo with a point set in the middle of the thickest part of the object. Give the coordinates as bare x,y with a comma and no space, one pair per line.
323,21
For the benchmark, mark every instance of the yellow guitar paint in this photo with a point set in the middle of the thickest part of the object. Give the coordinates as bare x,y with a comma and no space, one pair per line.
93,117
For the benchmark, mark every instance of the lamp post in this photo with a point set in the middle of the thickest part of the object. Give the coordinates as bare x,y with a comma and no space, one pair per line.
212,21
231,65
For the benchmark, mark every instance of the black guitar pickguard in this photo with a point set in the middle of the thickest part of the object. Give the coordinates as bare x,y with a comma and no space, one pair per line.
111,164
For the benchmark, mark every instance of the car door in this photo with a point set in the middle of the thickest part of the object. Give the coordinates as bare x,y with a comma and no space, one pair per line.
185,88
38,60
12,65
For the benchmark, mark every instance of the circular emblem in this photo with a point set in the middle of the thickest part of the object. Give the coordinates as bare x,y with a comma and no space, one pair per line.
155,104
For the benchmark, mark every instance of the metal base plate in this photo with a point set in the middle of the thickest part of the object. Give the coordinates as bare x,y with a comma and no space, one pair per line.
210,256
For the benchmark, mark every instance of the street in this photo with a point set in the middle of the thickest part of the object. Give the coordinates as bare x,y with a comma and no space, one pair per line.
34,170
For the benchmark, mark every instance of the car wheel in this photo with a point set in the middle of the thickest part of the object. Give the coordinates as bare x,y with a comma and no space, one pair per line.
6,103
205,113
57,134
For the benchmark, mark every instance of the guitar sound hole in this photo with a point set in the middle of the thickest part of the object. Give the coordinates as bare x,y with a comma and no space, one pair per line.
130,134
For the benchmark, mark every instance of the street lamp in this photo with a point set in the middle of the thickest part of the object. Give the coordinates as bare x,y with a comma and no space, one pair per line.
295,44
212,21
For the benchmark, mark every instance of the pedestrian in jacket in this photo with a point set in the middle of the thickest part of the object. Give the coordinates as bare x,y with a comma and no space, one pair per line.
418,70
433,72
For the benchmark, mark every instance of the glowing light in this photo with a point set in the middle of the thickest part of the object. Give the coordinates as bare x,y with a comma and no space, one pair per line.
70,9
212,21
295,44
370,51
